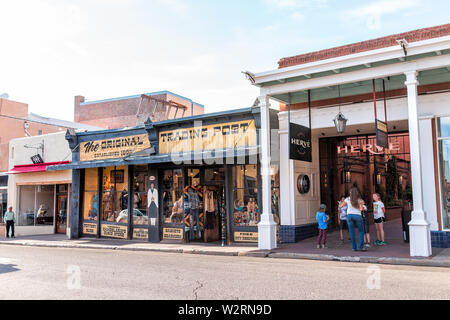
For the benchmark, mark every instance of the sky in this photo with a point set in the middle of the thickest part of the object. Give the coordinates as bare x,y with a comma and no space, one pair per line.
51,51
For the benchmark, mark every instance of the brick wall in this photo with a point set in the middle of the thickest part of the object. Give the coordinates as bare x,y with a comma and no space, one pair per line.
121,113
384,42
11,128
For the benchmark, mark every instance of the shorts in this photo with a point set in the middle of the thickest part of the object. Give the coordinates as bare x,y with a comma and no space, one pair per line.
343,225
380,220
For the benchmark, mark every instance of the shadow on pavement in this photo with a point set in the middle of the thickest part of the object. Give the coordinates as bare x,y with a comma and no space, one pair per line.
7,268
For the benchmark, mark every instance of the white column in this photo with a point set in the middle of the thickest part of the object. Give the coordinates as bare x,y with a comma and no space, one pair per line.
267,238
287,214
419,228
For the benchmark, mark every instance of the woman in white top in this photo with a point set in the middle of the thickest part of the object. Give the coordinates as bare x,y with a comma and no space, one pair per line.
354,219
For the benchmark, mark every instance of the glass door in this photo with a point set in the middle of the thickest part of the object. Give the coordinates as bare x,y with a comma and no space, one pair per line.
61,214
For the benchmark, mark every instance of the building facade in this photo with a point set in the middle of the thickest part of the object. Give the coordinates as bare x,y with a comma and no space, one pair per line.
190,179
134,110
408,75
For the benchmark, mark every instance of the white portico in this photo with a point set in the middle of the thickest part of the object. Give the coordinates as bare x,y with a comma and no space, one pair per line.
416,70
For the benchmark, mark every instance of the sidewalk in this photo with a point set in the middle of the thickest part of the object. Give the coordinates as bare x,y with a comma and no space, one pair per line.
396,253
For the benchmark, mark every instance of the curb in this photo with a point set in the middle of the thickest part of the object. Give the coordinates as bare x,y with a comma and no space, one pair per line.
253,254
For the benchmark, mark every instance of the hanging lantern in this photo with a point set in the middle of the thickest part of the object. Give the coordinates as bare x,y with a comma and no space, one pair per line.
400,180
340,122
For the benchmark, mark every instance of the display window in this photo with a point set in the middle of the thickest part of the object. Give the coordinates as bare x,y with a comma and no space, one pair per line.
140,197
37,205
172,196
115,195
246,211
90,199
444,166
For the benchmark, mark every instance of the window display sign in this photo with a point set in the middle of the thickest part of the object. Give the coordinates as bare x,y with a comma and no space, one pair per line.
172,234
210,137
90,228
246,236
300,145
113,148
111,231
140,233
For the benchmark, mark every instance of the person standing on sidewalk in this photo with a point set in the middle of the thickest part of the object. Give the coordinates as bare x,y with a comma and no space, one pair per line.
9,218
366,221
342,218
322,219
378,214
354,218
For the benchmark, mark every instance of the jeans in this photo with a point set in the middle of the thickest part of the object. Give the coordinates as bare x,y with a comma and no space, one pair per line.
322,237
9,225
356,221
195,215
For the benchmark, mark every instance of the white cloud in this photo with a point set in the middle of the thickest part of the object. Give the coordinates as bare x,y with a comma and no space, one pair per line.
298,3
374,11
297,16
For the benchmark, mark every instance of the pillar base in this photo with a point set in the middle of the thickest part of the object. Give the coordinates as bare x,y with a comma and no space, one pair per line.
420,238
267,235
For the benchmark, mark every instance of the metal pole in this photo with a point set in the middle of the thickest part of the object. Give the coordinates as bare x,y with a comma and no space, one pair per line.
374,99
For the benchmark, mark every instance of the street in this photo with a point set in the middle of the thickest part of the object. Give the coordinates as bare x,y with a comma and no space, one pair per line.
57,273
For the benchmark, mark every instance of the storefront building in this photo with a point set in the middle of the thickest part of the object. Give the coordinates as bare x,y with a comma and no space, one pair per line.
191,179
408,75
39,198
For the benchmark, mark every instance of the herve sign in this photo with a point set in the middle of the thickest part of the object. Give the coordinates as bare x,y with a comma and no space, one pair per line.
210,137
113,148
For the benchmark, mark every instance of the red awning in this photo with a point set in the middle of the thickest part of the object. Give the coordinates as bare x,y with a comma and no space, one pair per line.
40,167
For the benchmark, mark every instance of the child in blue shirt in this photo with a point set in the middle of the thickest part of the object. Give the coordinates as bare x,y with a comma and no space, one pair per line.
322,220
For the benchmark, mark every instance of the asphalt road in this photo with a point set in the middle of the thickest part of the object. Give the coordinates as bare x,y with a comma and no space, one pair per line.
56,273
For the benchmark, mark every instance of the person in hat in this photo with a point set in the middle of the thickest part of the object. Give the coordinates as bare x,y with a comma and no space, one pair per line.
322,219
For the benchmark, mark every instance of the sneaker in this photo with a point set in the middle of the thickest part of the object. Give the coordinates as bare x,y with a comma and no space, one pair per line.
324,246
342,241
363,250
367,245
377,242
383,243
319,246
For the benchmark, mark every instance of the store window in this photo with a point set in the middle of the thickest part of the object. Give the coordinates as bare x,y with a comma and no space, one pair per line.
90,202
172,194
36,205
245,190
115,195
444,165
140,200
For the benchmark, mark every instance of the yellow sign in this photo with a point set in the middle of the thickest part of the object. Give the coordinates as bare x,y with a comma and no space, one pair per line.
112,231
382,126
113,148
246,236
211,137
90,228
172,234
140,233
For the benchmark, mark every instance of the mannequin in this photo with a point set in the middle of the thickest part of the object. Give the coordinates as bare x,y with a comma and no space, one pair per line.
193,196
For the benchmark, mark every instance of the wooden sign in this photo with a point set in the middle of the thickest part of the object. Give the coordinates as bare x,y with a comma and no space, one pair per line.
140,233
246,236
90,228
112,231
382,134
172,233
113,148
211,137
